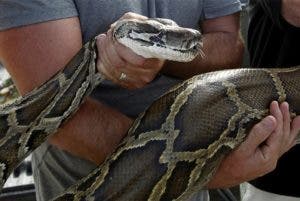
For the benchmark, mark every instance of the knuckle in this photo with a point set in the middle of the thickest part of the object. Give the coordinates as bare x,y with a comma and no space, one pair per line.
265,160
99,65
129,87
140,61
270,164
99,43
256,130
139,85
117,63
146,79
158,62
102,49
128,15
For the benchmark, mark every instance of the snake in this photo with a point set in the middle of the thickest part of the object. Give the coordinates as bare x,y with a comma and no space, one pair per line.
175,146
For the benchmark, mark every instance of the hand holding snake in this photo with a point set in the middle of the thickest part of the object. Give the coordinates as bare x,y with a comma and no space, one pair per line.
259,153
241,165
121,65
174,148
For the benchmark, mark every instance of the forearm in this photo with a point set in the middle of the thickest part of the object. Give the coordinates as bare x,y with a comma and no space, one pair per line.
221,50
42,50
93,132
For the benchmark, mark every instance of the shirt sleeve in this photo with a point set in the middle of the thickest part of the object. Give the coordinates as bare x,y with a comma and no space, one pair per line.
15,13
219,8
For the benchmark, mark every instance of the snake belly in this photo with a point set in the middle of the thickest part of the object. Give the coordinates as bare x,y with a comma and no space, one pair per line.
173,148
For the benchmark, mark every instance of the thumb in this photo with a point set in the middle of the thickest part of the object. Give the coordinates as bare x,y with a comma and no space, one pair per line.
260,132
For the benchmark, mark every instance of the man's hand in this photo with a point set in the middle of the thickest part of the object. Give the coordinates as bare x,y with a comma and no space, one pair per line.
121,65
258,155
41,50
291,11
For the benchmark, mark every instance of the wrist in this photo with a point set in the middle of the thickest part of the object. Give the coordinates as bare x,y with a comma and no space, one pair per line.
224,178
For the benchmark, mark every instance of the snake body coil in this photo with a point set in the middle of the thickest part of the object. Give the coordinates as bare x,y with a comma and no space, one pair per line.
174,147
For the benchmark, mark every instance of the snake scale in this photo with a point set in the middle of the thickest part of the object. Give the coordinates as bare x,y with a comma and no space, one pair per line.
175,146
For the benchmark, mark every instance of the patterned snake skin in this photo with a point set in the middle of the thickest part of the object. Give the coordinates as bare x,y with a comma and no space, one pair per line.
172,149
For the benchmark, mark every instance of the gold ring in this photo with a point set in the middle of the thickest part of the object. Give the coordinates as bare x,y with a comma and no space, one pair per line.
123,77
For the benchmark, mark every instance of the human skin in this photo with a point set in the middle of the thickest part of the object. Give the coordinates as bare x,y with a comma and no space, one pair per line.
42,49
290,10
267,141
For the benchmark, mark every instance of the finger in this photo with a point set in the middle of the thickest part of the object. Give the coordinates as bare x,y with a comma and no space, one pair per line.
288,138
111,60
275,144
101,68
100,46
259,133
154,63
275,111
103,63
129,56
128,76
111,53
275,139
104,52
131,15
136,77
99,36
119,79
284,107
145,76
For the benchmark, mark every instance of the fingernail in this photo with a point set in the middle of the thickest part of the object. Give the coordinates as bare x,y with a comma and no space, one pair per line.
275,102
284,107
100,36
113,25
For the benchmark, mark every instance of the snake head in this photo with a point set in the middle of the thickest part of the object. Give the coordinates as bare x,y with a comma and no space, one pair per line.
153,38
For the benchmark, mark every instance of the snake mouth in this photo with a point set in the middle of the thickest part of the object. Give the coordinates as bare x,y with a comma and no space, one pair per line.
192,40
194,47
